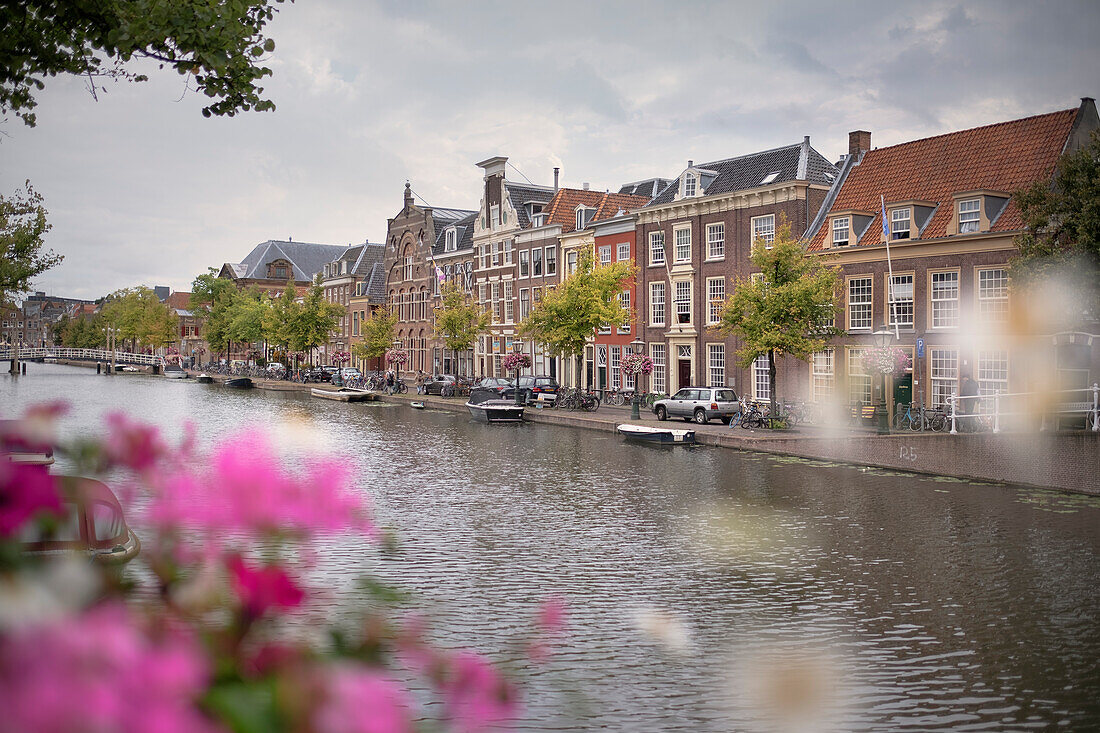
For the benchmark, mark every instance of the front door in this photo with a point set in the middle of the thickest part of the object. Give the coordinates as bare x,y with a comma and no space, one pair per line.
684,373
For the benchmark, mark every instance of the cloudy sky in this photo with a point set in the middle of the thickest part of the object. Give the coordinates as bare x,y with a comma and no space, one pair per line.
141,189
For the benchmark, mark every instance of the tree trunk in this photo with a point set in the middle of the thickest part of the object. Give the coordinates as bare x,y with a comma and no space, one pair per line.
771,380
580,360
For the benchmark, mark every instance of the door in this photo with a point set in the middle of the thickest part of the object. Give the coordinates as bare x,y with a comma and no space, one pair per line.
684,373
903,390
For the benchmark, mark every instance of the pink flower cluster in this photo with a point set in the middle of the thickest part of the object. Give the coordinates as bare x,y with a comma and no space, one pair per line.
101,672
25,491
133,444
636,364
396,357
362,700
515,361
888,360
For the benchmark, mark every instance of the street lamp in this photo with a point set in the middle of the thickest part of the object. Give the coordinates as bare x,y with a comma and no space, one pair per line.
636,346
882,421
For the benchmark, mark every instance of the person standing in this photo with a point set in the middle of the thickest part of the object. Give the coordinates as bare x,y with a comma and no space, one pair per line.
968,402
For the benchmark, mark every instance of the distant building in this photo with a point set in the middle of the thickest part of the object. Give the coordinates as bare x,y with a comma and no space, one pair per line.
272,264
341,278
33,322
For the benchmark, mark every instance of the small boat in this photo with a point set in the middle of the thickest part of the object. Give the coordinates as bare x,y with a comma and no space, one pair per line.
494,411
205,378
173,371
416,405
659,436
239,383
95,527
344,394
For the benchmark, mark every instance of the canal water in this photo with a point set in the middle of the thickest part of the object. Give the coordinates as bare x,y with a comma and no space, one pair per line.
707,589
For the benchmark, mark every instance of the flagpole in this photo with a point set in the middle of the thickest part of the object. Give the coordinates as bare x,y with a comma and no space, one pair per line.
890,268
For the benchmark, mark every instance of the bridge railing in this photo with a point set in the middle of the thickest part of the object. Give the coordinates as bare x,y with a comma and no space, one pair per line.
120,357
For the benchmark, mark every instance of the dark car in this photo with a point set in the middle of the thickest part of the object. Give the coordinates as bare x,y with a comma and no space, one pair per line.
534,389
700,404
316,374
436,384
499,385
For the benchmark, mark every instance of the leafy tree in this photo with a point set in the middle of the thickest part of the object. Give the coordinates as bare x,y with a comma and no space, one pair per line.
785,311
316,320
458,319
584,302
84,332
140,317
217,45
377,332
279,318
247,315
1060,245
22,228
215,296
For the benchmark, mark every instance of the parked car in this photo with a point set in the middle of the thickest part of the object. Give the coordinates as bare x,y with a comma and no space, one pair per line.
701,404
436,384
347,373
275,367
536,389
317,374
499,385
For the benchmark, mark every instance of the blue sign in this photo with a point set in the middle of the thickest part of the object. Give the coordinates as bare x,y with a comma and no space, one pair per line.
920,348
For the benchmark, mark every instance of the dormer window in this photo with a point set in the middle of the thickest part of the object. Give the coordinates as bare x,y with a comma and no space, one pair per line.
584,216
538,220
450,240
900,220
969,216
689,185
841,231
280,272
769,178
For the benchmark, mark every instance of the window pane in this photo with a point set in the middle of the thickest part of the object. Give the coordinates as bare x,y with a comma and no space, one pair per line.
945,299
859,302
945,374
717,363
716,240
901,305
656,248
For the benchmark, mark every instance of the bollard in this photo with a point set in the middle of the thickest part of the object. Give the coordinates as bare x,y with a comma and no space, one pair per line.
954,400
98,368
23,367
1095,407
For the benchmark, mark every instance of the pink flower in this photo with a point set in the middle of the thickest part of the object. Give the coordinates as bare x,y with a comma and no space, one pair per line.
549,623
477,697
360,700
132,444
100,672
25,491
262,589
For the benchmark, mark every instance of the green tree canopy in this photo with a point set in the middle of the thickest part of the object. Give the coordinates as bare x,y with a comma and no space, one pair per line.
247,314
217,45
1060,246
584,302
140,317
787,309
377,332
316,320
458,319
279,319
215,296
22,228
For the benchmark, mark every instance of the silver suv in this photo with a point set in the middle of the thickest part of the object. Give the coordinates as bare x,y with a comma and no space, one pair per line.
700,404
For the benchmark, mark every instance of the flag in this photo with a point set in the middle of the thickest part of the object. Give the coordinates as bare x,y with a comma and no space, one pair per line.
439,274
885,229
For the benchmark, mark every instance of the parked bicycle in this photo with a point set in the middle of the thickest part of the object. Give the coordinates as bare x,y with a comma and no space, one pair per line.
577,399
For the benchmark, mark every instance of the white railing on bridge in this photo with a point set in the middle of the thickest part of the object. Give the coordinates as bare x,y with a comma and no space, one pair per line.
119,357
1051,404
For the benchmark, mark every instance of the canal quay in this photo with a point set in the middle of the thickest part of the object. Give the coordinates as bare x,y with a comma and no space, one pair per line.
697,579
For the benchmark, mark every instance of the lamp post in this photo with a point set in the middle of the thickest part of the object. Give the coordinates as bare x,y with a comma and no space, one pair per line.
636,347
881,413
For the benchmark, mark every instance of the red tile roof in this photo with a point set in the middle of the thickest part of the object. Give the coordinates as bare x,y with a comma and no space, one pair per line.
179,300
562,209
1004,157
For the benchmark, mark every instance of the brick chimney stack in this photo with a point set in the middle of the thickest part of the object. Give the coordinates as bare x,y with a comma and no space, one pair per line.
859,141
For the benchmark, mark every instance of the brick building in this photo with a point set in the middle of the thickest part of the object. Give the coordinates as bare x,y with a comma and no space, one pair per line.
342,279
271,264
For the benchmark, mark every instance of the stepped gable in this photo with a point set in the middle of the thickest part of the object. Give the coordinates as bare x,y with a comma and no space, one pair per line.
1005,156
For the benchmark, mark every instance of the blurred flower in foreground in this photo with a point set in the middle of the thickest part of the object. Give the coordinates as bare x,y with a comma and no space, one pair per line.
664,628
25,491
360,700
548,626
261,589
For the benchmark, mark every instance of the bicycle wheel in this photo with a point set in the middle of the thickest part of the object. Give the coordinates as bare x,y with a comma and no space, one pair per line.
592,404
447,391
938,422
916,423
402,388
900,421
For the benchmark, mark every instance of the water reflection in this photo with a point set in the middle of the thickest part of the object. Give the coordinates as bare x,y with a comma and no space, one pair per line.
707,589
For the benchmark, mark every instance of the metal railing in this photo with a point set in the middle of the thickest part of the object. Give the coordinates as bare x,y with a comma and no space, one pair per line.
120,357
1089,407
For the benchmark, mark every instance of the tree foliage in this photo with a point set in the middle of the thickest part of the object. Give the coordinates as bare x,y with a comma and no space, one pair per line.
22,228
785,311
280,317
1060,245
458,319
215,296
218,45
83,332
140,317
584,302
316,320
377,332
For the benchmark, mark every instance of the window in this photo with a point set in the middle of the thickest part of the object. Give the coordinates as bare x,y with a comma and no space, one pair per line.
859,381
570,263
993,295
824,379
551,261
716,241
901,307
450,239
484,256
538,220
945,299
524,303
683,301
716,361
656,248
657,376
689,185
508,247
408,268
498,248
683,244
657,304
496,302
623,251
508,313
605,254
899,223
524,263
616,367
945,374
716,295
859,303
992,371
494,215
769,178
761,385
580,219
969,216
536,262
280,272
763,228
841,231
624,301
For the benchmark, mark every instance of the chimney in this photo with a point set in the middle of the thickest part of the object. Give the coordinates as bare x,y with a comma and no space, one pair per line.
585,185
556,171
859,141
691,163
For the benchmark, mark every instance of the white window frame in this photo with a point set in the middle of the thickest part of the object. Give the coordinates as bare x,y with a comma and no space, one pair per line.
495,297
842,224
622,251
524,303
903,310
509,312
624,301
716,296
864,307
605,254
899,217
494,215
614,365
763,227
823,374
859,381
716,365
943,371
656,248
682,305
450,240
524,263
550,261
657,305
657,378
761,384
716,241
992,371
992,294
681,236
944,301
970,216
690,185
536,262
570,262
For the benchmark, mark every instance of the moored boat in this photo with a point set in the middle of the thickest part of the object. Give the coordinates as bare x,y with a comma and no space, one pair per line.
173,371
494,411
344,394
95,526
239,383
659,436
205,378
416,405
